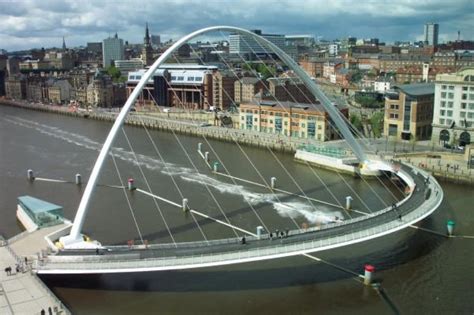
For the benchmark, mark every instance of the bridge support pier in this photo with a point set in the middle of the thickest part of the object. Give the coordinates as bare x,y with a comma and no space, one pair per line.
369,270
199,147
273,182
185,205
259,231
215,167
450,226
349,202
30,175
78,179
206,156
131,184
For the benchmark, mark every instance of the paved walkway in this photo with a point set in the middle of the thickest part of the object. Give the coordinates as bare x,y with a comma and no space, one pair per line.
23,292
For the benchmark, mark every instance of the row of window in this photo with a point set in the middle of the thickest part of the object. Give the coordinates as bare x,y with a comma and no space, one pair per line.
466,105
181,78
448,113
451,88
293,123
249,111
294,133
462,123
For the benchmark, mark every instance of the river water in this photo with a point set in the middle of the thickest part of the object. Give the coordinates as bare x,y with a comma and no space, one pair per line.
418,271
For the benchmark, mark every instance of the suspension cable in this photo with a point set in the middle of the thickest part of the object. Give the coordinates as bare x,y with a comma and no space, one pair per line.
126,197
148,186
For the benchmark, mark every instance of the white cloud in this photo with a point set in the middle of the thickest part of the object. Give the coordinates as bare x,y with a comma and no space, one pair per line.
95,20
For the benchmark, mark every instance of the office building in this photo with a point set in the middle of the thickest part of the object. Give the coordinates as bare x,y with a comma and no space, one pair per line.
246,45
453,119
431,34
300,120
112,49
409,112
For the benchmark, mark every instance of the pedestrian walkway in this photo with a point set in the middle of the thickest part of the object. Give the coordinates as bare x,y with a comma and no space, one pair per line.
22,292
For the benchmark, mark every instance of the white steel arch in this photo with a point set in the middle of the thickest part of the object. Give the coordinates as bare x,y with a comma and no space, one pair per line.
75,234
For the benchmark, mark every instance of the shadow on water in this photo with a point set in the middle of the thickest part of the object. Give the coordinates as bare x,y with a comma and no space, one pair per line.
293,271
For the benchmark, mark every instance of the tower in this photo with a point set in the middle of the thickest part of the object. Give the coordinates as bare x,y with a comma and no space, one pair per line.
147,51
431,34
64,44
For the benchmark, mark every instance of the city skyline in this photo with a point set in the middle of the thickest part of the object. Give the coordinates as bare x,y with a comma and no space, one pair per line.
29,24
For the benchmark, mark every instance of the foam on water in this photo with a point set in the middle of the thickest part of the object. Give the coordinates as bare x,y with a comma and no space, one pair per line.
292,209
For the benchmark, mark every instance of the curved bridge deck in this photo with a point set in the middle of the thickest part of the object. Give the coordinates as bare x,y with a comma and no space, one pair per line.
421,202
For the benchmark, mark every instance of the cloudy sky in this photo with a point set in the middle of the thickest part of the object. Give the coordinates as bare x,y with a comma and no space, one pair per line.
27,24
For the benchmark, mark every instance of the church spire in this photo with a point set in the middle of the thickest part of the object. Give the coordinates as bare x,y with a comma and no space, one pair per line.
146,40
64,44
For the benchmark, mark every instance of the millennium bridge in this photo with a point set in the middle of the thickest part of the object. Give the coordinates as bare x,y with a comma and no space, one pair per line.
423,195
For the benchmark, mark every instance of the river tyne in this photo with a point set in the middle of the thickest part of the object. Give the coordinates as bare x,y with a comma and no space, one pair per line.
418,271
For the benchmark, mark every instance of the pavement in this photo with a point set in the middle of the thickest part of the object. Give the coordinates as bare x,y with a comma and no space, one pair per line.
23,292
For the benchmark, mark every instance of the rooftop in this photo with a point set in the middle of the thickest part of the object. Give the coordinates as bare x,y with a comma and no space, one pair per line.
417,89
36,205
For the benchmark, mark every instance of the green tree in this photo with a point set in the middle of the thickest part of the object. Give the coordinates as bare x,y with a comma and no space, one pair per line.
356,121
376,121
114,73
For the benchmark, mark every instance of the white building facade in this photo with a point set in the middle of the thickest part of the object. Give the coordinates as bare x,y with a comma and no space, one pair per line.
244,44
112,49
453,117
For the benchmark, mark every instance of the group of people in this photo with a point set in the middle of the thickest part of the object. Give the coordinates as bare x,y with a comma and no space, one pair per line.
18,268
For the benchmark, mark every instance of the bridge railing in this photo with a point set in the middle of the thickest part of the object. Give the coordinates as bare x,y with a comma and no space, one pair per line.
285,247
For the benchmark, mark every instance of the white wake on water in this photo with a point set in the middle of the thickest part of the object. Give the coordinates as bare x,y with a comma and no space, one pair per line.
292,209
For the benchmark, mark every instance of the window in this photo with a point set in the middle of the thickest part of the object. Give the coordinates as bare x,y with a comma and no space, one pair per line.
471,97
462,114
443,87
311,129
464,88
198,78
393,116
451,87
393,106
442,112
173,78
463,105
303,125
450,113
471,106
443,103
443,94
464,97
450,95
450,104
441,121
190,78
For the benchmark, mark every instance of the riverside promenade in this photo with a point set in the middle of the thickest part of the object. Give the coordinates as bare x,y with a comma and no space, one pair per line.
23,292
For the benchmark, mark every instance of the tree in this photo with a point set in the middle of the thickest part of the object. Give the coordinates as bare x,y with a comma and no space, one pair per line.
376,121
356,121
114,73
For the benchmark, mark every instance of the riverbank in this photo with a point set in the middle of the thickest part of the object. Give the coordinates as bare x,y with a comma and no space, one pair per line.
448,168
190,127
